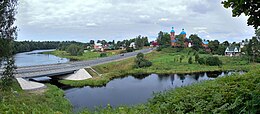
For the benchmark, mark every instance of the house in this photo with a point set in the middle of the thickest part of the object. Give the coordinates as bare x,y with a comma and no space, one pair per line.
132,45
98,47
154,44
233,51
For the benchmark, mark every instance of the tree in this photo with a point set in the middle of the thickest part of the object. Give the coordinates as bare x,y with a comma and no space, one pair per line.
196,41
248,7
92,42
75,50
141,62
226,43
164,39
214,45
7,35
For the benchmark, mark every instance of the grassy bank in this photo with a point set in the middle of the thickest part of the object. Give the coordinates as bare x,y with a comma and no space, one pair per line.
231,94
164,62
46,101
86,55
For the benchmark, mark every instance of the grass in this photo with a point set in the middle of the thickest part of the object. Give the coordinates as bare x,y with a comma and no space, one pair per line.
86,55
91,72
38,102
231,94
164,62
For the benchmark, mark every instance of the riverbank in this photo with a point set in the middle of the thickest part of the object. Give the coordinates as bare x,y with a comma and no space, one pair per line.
50,100
231,94
86,55
164,62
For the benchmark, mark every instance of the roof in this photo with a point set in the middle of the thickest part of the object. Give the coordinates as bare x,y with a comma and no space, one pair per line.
205,42
232,49
172,30
183,32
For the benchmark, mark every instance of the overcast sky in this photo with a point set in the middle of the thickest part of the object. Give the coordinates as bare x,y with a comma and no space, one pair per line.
83,20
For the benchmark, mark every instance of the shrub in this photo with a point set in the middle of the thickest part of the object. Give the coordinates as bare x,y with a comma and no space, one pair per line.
201,61
190,60
159,49
197,57
213,61
103,54
129,49
141,62
75,50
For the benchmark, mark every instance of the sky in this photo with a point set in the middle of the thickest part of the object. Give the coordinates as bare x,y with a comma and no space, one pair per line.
85,20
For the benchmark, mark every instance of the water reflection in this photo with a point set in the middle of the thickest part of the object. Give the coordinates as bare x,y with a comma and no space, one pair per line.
36,58
130,90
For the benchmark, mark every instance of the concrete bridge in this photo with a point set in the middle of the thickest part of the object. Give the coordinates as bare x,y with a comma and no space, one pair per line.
67,68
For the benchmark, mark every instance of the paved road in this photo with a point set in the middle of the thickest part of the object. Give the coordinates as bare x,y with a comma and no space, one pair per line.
62,68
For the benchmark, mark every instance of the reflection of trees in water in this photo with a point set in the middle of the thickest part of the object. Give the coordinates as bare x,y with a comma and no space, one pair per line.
140,76
172,78
213,74
163,77
196,76
182,77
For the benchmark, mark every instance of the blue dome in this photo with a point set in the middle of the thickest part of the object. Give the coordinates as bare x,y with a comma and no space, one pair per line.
172,30
205,42
183,32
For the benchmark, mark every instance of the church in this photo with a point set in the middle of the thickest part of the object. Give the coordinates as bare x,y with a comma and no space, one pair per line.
176,40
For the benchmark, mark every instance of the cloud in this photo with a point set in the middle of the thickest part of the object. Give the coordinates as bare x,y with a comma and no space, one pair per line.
83,20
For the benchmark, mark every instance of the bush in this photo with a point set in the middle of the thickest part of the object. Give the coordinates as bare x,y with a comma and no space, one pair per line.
213,61
75,50
103,54
129,49
141,62
201,61
190,60
197,57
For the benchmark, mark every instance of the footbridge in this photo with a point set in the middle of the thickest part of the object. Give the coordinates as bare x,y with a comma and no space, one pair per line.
68,68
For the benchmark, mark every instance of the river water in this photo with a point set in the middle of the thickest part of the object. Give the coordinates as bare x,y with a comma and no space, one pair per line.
130,90
35,58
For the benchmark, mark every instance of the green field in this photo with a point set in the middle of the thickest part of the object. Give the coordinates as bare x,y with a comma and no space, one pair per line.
164,62
86,55
231,94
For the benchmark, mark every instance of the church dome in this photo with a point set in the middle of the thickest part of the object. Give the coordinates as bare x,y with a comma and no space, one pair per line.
182,32
172,31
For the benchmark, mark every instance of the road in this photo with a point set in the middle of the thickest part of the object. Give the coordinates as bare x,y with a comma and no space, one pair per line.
62,68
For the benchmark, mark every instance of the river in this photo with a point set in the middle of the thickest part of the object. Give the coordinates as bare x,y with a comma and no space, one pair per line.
130,90
35,58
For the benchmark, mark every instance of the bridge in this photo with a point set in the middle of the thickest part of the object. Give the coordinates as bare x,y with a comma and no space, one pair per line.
29,72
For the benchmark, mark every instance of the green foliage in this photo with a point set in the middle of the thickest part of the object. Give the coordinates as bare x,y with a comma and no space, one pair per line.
231,94
248,7
213,46
202,61
129,49
196,41
49,101
75,50
213,61
197,57
103,54
141,62
190,60
8,74
164,39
